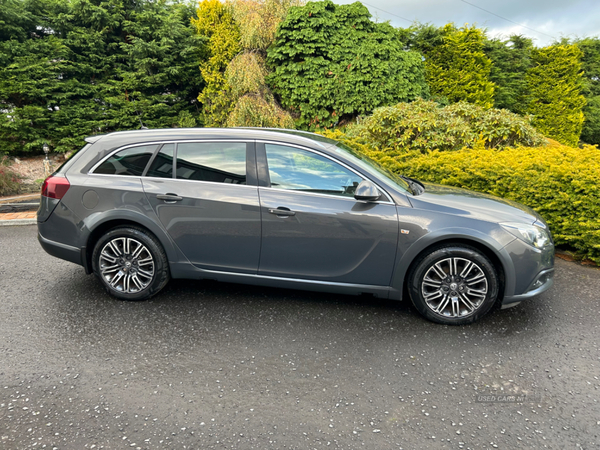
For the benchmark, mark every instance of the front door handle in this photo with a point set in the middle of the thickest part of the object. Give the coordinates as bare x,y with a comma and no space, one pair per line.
281,211
169,198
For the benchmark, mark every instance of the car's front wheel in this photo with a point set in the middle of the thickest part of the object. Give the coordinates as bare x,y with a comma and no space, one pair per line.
453,285
130,263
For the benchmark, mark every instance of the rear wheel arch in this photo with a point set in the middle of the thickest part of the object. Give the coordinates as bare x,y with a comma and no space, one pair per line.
101,228
130,262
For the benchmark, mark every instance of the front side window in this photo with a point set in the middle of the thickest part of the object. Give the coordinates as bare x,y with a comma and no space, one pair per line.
218,162
300,170
130,161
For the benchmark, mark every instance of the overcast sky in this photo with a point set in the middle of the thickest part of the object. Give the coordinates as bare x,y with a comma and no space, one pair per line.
551,19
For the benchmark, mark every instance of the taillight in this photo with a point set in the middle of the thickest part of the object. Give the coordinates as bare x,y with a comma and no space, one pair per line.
55,187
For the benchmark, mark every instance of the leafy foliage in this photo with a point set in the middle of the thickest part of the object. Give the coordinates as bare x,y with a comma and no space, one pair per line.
253,102
10,181
215,22
78,67
591,89
457,67
554,84
332,63
559,182
425,126
254,105
258,20
252,110
511,59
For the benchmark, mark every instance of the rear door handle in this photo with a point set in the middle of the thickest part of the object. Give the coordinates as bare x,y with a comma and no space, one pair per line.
282,212
169,198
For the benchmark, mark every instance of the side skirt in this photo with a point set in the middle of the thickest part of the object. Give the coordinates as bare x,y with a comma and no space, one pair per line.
182,270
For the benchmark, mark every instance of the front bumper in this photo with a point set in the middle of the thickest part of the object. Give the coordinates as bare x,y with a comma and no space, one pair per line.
533,272
543,282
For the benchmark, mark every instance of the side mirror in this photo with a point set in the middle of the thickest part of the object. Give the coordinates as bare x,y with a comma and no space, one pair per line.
367,191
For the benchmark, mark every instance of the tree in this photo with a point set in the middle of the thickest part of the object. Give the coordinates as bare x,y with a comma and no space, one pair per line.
331,63
591,89
79,67
554,84
457,67
215,22
258,20
253,102
511,59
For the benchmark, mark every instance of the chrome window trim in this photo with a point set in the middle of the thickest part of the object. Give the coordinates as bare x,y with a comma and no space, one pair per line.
99,163
389,197
172,141
318,194
258,141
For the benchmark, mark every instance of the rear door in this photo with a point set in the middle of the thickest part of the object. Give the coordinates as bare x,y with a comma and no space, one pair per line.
206,197
313,228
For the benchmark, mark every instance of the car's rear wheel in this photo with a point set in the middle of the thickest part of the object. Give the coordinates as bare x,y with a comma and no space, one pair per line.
453,285
130,263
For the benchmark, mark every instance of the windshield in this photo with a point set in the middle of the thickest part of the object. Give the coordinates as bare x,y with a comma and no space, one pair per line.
372,167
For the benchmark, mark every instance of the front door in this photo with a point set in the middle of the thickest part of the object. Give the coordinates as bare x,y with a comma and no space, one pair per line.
205,196
314,229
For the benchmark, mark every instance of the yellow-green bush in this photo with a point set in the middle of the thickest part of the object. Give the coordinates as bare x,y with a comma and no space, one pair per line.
215,21
559,182
253,110
425,125
258,20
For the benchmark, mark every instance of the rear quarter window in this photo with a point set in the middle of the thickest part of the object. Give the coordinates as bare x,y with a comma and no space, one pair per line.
130,161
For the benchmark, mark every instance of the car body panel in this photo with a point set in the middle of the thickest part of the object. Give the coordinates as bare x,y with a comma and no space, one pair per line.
470,204
217,226
328,238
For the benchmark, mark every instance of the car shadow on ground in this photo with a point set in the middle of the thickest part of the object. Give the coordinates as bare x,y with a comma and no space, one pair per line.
187,311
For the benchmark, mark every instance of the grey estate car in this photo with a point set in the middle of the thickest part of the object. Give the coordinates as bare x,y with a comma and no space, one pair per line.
287,209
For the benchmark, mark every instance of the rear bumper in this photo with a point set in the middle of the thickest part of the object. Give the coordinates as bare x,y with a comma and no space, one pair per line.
62,251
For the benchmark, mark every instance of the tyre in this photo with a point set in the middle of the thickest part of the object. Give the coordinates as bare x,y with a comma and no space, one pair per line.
130,263
453,285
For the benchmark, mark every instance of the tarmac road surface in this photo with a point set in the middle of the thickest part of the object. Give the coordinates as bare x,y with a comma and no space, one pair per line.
218,366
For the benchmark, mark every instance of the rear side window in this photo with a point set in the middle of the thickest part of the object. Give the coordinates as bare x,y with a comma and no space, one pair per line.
130,161
218,162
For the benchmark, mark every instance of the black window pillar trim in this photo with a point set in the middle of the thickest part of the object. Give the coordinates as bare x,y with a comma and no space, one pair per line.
262,166
251,169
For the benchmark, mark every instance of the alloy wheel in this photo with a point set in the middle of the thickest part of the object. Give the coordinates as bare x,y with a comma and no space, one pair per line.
127,265
454,287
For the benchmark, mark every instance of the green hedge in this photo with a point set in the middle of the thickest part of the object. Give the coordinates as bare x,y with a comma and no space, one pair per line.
559,182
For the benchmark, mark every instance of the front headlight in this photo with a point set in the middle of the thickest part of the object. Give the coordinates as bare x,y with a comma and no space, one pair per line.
533,235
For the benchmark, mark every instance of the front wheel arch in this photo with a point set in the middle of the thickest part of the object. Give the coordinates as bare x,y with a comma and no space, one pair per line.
442,256
488,252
